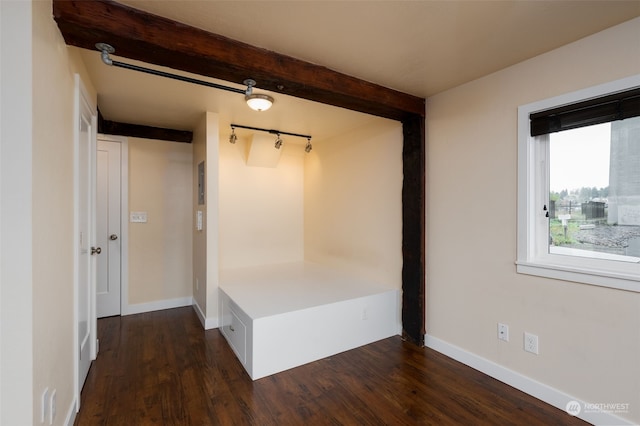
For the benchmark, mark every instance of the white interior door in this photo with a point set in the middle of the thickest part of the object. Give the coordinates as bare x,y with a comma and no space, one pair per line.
85,208
108,230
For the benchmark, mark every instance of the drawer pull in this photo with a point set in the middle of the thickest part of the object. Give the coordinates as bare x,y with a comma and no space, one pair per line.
231,328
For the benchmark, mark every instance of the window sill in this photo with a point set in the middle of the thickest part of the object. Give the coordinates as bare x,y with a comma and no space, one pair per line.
592,254
602,278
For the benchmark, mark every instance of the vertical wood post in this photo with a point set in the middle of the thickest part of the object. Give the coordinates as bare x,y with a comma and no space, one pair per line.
413,230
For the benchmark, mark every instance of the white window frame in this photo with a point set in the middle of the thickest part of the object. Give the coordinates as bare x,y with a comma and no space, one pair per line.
533,257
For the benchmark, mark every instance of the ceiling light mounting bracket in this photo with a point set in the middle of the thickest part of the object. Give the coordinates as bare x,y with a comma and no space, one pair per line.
250,83
106,50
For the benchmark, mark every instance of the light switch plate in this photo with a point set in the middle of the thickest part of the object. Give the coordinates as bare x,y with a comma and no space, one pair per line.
138,217
199,220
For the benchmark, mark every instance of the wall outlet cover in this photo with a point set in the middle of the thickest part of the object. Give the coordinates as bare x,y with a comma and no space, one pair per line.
52,407
503,332
531,343
44,405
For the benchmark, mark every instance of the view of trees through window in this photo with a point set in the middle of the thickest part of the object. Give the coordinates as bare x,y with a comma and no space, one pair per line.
594,189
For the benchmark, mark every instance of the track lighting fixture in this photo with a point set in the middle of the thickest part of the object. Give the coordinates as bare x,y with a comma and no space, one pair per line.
278,134
233,138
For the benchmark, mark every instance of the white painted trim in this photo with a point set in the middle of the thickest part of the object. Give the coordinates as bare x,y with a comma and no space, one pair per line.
124,216
76,243
81,96
157,305
124,223
527,385
71,414
207,323
93,149
532,256
199,312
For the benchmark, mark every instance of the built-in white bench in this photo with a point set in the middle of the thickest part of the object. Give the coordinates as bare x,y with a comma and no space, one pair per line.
282,316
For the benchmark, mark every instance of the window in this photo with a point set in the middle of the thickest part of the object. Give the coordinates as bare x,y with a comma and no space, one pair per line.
579,186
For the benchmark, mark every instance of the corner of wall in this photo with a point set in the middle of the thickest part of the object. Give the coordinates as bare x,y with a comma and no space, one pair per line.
212,182
199,239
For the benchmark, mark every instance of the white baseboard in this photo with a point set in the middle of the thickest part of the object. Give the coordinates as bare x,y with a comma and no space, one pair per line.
71,414
157,305
207,323
527,385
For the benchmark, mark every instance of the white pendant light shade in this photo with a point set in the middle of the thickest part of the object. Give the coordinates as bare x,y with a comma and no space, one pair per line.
259,102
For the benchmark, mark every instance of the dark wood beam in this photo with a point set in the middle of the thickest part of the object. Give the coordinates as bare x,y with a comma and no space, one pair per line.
115,128
413,230
145,132
153,39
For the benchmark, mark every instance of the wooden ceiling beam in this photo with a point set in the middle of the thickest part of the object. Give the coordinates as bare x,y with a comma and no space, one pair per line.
157,40
116,128
146,132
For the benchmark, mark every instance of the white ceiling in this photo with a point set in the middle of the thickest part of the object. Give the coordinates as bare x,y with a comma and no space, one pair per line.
417,47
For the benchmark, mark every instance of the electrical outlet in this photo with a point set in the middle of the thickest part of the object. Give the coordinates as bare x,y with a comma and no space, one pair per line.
52,407
44,405
503,332
531,343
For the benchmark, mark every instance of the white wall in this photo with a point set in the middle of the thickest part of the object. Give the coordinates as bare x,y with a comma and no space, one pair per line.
213,215
160,251
205,242
589,336
353,202
37,181
16,135
339,205
261,208
199,285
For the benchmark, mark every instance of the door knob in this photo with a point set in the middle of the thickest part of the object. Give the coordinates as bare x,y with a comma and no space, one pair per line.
96,250
113,237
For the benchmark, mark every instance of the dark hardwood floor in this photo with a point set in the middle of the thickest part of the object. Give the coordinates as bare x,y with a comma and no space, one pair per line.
161,368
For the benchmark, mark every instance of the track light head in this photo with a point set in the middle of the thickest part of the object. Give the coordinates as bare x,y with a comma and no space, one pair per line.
233,138
308,146
278,144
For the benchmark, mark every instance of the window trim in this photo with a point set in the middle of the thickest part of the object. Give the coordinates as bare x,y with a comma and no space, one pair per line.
529,260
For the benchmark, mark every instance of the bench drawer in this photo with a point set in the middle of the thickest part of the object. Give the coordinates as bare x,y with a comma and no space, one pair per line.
235,331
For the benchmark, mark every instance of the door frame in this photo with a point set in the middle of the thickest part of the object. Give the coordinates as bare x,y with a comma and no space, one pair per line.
124,217
81,96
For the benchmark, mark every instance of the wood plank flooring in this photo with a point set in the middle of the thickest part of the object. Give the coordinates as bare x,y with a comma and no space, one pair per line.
162,368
